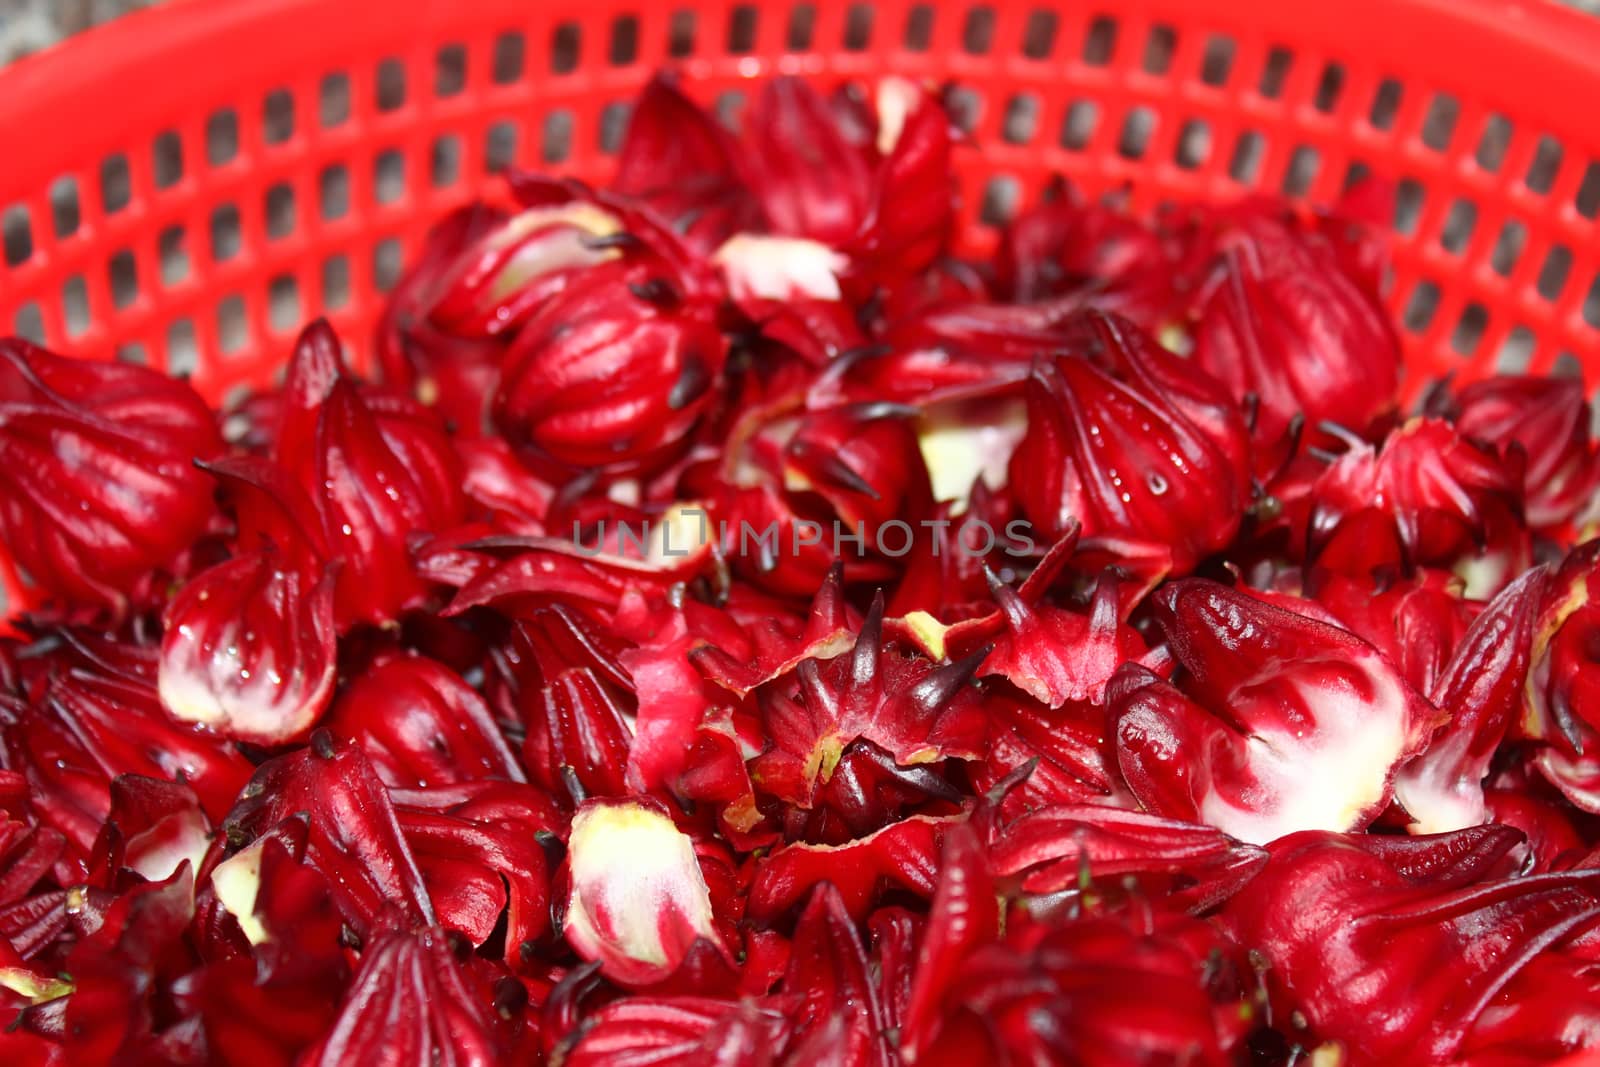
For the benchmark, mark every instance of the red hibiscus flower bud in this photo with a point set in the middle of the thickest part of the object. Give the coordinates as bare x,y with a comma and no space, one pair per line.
503,277
413,976
840,1013
638,901
682,163
1564,673
1058,656
604,377
1058,848
903,855
1398,945
1068,247
249,651
359,472
97,472
577,740
918,713
1418,622
1127,440
481,865
681,1031
1427,497
1282,322
792,131
95,722
1481,690
351,833
421,725
1100,992
453,374
1282,723
1549,419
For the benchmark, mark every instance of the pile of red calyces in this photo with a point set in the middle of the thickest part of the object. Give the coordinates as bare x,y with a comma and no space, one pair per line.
727,627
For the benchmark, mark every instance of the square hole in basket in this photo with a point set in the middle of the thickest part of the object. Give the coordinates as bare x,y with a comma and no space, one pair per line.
742,21
1329,86
449,71
283,303
1304,162
1493,143
1137,129
1553,273
506,66
1216,63
965,105
233,329
919,28
1508,248
16,235
1407,205
556,139
1158,49
624,49
183,351
1469,329
1385,105
1458,226
500,147
1194,144
1275,73
389,176
1516,351
1439,124
445,159
133,352
614,126
173,249
116,184
277,117
335,282
802,28
1420,308
333,100
1039,34
1245,164
680,34
858,28
333,191
729,108
166,159
1021,119
29,323
1591,303
390,88
75,305
977,33
278,206
386,264
222,137
1077,129
1546,163
122,272
566,44
226,236
1101,42
1000,196
1587,201
66,210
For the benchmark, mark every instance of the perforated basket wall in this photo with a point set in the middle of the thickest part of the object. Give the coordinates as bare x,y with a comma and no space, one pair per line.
186,186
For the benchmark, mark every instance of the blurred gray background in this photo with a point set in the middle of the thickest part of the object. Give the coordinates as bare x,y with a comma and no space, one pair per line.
29,25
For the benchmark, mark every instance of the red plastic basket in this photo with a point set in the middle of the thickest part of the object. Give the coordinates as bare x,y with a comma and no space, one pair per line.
186,186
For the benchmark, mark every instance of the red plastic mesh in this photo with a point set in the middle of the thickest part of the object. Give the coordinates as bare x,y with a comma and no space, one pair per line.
186,186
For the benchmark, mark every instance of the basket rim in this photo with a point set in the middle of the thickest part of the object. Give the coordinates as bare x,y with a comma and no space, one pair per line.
1540,54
